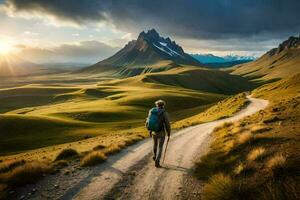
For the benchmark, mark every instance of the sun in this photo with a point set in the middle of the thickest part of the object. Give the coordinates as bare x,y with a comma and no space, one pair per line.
5,48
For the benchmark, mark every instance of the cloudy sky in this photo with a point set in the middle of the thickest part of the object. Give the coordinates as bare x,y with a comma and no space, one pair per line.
90,30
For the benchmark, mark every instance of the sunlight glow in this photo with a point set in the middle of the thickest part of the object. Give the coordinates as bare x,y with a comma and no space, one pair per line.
5,48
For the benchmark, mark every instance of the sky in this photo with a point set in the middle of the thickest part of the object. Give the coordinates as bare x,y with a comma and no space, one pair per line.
91,30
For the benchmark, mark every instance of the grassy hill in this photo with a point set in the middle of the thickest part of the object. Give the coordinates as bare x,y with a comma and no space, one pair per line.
39,115
278,63
257,157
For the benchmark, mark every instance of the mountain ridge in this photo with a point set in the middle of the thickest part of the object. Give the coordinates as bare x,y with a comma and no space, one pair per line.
278,63
148,49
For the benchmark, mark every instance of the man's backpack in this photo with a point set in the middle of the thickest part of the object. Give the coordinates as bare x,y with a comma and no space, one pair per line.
155,120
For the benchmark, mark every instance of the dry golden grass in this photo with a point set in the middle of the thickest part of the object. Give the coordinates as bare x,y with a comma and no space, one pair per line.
239,169
99,147
220,187
66,153
259,129
24,174
112,149
238,129
277,161
10,164
256,154
60,164
93,158
245,137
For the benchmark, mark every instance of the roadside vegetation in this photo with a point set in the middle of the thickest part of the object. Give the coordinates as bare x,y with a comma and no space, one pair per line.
45,128
220,110
257,157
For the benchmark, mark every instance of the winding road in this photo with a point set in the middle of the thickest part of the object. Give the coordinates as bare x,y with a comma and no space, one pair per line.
132,175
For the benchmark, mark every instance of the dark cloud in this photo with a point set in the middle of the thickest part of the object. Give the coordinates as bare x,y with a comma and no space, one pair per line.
86,51
70,10
193,19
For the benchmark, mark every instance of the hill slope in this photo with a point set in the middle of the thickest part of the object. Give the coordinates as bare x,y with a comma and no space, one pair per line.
281,62
149,49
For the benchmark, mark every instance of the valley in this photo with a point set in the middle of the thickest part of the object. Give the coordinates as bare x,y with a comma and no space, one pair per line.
98,110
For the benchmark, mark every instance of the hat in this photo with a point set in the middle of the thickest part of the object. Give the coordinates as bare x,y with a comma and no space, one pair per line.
160,103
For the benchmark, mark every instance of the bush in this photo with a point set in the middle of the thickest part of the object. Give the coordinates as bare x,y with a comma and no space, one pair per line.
112,149
24,174
60,164
220,187
66,153
256,153
245,138
99,147
9,165
93,158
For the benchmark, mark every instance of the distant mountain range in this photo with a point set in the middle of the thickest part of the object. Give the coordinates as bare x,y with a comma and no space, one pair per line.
225,61
280,62
11,65
149,52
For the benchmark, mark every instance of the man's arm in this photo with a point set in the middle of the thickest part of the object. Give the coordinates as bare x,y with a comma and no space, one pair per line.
167,123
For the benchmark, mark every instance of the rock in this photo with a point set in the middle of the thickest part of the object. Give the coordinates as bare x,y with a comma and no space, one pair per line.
29,194
56,186
11,192
22,197
33,190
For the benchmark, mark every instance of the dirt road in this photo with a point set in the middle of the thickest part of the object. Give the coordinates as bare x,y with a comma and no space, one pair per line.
132,175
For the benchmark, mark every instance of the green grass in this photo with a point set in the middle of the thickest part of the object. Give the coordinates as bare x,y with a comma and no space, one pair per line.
222,109
74,112
271,68
259,154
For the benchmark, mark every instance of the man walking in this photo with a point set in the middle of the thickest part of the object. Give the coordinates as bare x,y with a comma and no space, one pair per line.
159,125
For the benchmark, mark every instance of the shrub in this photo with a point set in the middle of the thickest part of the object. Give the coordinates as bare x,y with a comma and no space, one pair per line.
256,153
9,165
239,169
66,153
260,129
112,149
93,158
60,163
276,161
24,174
245,138
220,187
99,147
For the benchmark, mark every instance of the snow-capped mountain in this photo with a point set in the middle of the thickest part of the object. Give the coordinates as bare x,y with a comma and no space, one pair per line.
149,49
210,58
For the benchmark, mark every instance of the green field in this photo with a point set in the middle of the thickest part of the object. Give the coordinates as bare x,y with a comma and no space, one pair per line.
51,112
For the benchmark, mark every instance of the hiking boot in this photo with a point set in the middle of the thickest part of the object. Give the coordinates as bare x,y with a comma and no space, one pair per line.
157,165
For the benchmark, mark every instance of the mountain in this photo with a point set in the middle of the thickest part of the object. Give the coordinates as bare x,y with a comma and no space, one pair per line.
226,64
278,63
11,65
211,60
149,52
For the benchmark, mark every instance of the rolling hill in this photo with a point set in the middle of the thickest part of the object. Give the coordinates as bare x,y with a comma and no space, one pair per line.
278,63
150,52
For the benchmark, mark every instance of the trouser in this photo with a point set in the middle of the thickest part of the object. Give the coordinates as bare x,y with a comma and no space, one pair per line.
158,142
